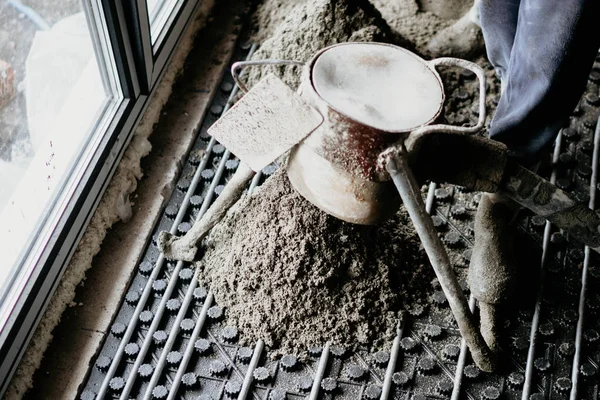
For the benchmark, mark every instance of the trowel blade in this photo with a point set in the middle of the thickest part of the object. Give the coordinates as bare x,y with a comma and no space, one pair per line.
557,206
268,121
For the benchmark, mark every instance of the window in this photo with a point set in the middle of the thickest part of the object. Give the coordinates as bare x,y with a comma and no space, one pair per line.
74,77
159,12
61,108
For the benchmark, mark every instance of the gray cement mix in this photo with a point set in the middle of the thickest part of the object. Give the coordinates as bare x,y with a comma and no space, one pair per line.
299,31
410,25
407,19
447,9
294,276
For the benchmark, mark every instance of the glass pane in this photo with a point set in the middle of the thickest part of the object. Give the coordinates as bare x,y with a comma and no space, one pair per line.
159,12
54,98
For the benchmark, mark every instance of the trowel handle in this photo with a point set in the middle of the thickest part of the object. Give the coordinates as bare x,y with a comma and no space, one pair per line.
237,66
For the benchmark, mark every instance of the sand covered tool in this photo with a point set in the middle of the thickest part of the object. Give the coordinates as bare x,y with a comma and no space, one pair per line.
266,123
361,137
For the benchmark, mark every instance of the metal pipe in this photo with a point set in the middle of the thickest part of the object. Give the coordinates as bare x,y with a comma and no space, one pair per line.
258,348
199,325
430,197
170,340
151,279
314,392
535,321
462,360
584,273
166,296
410,193
153,327
579,331
159,263
189,349
391,367
254,182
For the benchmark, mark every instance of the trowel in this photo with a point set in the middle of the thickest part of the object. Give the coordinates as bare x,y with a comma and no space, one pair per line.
360,135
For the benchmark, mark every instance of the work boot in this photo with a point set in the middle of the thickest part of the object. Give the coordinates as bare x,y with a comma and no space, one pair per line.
492,270
463,39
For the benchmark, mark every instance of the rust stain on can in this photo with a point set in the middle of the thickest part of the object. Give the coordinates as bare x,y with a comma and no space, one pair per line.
353,146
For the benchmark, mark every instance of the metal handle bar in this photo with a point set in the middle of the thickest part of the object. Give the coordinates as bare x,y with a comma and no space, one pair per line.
478,71
444,128
411,142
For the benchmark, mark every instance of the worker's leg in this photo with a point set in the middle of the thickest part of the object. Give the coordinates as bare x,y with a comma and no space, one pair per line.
498,20
492,268
554,47
543,61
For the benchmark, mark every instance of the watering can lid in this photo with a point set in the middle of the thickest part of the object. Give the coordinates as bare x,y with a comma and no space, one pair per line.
380,85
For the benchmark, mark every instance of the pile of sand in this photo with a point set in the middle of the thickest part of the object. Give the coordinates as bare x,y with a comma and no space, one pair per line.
298,31
295,277
406,18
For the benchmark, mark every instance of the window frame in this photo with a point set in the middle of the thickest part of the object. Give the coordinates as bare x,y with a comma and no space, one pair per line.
139,68
151,57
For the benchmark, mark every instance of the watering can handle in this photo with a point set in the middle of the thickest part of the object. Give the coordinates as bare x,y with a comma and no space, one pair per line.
444,128
478,71
412,141
242,64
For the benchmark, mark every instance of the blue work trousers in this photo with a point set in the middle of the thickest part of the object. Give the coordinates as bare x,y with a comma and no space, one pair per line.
543,51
